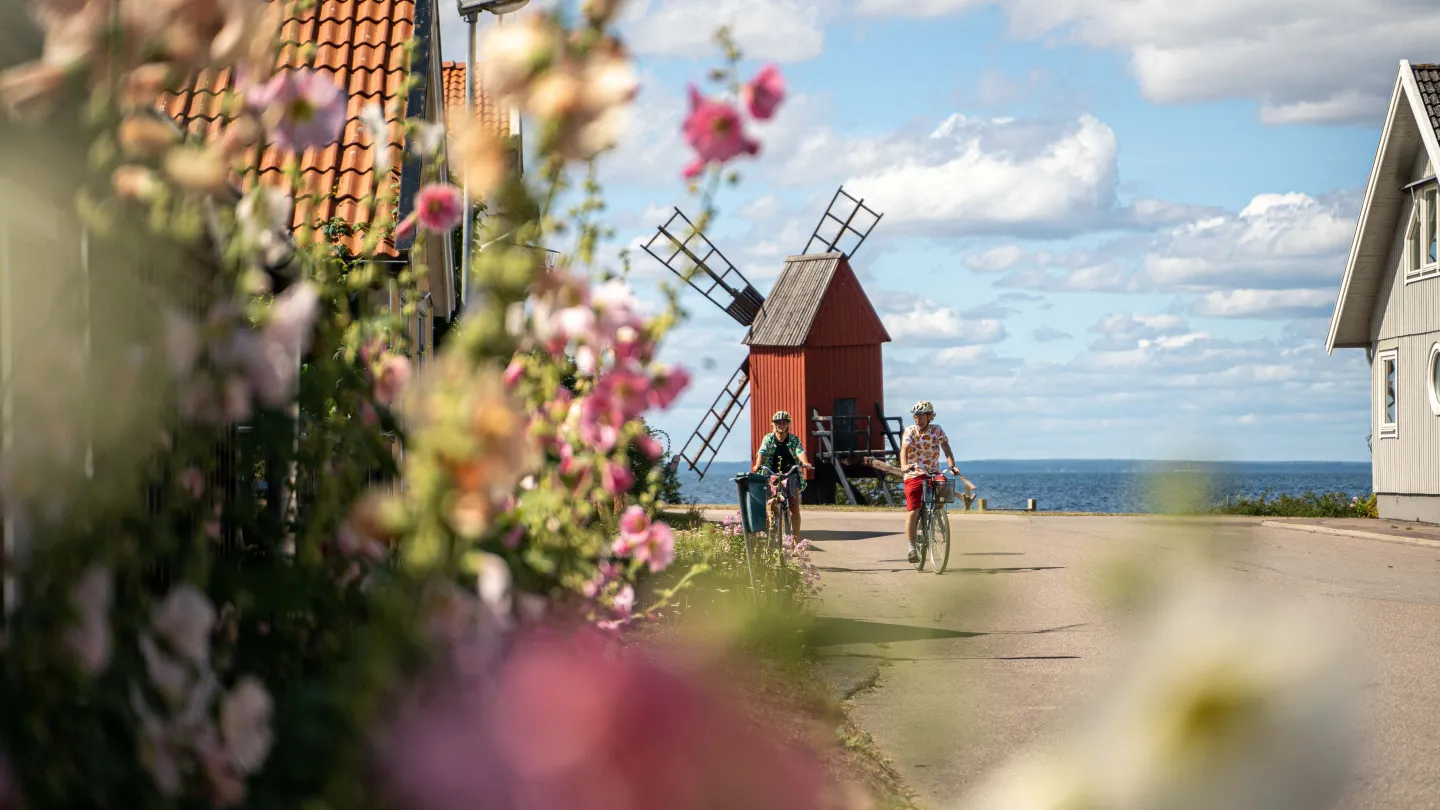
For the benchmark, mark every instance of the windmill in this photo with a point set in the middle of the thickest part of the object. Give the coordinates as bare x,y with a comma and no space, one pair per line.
689,254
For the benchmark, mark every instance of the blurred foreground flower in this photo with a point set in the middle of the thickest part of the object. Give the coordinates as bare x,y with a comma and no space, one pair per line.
763,94
717,133
1231,705
566,723
300,108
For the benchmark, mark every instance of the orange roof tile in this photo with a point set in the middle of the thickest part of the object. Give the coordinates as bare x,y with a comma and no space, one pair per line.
452,76
362,44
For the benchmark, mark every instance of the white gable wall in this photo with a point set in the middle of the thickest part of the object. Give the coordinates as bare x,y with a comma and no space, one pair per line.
1406,466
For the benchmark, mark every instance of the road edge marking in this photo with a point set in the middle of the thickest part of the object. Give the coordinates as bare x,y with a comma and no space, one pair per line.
1384,538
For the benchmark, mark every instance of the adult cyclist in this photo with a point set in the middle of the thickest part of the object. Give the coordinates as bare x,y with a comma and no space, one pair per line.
781,451
920,449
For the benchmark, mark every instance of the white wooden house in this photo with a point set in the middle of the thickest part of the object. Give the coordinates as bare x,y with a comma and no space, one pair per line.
1389,302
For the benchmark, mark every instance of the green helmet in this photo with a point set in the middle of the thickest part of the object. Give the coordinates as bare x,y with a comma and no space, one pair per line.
781,416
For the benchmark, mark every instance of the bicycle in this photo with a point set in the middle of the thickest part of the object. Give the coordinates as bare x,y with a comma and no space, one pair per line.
779,500
932,528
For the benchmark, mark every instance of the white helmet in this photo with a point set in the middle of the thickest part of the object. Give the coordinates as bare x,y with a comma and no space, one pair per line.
923,406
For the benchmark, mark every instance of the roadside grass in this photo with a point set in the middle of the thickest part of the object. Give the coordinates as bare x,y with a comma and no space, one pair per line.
755,644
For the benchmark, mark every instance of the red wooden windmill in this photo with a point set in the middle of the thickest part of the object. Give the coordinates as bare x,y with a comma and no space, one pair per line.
814,349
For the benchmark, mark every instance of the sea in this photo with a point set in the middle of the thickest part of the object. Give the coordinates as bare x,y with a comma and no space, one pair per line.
1104,485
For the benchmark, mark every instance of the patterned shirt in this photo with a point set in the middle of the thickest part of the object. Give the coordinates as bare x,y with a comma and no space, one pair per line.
924,448
770,449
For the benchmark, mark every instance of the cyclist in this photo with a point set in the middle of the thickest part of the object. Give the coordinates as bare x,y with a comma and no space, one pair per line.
781,451
920,449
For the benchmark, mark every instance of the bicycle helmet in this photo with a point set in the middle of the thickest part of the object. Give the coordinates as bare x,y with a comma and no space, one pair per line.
923,406
781,416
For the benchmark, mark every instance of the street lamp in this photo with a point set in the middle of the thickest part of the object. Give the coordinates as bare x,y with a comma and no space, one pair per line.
469,11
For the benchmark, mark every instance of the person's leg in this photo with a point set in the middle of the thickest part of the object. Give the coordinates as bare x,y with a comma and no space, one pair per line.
914,494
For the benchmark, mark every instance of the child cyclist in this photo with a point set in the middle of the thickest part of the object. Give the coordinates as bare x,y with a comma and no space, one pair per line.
920,449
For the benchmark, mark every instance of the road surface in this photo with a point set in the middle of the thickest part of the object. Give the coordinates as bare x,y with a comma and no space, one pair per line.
951,684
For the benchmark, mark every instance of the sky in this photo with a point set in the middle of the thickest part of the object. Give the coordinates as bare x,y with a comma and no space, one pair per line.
1111,229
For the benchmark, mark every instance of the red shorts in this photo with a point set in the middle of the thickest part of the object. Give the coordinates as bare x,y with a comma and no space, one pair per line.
915,492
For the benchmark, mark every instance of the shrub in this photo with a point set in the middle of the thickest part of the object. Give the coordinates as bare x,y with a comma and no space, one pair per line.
1310,505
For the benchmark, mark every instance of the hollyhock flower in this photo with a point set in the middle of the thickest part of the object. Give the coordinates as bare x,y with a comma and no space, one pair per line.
271,357
626,392
513,373
266,216
134,183
439,207
199,169
30,91
648,446
372,118
764,93
185,619
669,384
90,640
658,548
479,159
634,528
146,135
168,676
245,724
301,108
74,29
192,480
391,378
515,54
563,723
715,131
616,478
625,602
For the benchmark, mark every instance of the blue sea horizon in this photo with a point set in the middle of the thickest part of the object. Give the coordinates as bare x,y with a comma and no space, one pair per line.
1101,485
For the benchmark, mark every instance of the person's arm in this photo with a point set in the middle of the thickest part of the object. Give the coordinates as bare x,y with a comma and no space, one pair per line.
905,450
949,456
759,457
799,450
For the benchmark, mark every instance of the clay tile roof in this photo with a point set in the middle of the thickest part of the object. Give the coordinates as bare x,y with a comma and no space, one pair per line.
453,76
362,43
1427,77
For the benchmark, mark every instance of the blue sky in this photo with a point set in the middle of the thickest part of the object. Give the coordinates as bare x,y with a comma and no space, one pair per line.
1112,229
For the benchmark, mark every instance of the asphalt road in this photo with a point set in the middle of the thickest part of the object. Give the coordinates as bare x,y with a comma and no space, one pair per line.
953,674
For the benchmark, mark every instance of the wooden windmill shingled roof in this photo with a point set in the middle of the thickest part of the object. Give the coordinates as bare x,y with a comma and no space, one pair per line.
817,301
362,44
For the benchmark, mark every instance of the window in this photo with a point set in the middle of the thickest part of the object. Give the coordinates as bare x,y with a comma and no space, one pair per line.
1432,375
1422,240
1388,392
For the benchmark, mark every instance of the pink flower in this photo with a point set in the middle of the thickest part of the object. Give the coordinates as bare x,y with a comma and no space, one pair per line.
439,207
764,93
193,480
512,538
625,602
648,447
715,130
659,547
669,384
634,527
391,378
616,478
513,373
301,108
563,723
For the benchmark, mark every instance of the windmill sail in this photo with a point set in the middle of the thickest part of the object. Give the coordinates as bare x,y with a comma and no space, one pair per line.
715,426
692,257
844,226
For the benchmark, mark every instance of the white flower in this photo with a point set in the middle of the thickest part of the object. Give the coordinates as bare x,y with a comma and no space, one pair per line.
159,751
185,619
265,217
271,358
245,724
372,117
90,639
168,675
428,137
514,53
492,583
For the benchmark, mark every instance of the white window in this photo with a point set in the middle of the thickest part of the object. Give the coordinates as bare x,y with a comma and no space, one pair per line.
1387,389
1422,240
1432,378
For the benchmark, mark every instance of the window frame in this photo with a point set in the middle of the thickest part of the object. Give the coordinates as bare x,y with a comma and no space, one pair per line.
1390,357
1424,216
1432,378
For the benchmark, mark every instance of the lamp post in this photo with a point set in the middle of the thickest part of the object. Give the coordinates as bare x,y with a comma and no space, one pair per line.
470,10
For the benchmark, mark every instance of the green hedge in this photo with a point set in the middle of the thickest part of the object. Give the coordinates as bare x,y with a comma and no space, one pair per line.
1311,504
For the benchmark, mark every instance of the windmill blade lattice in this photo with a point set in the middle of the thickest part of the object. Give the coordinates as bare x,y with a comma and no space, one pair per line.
844,226
715,426
692,257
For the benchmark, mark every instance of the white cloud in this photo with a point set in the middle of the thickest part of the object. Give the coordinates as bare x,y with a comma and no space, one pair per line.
995,259
1276,241
774,30
1265,303
995,176
929,324
1049,334
1305,61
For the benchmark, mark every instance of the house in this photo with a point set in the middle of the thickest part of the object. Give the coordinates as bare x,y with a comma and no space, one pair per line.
1389,302
363,45
815,347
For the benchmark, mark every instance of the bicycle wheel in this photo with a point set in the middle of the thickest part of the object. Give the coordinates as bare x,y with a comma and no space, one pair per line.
922,540
940,541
